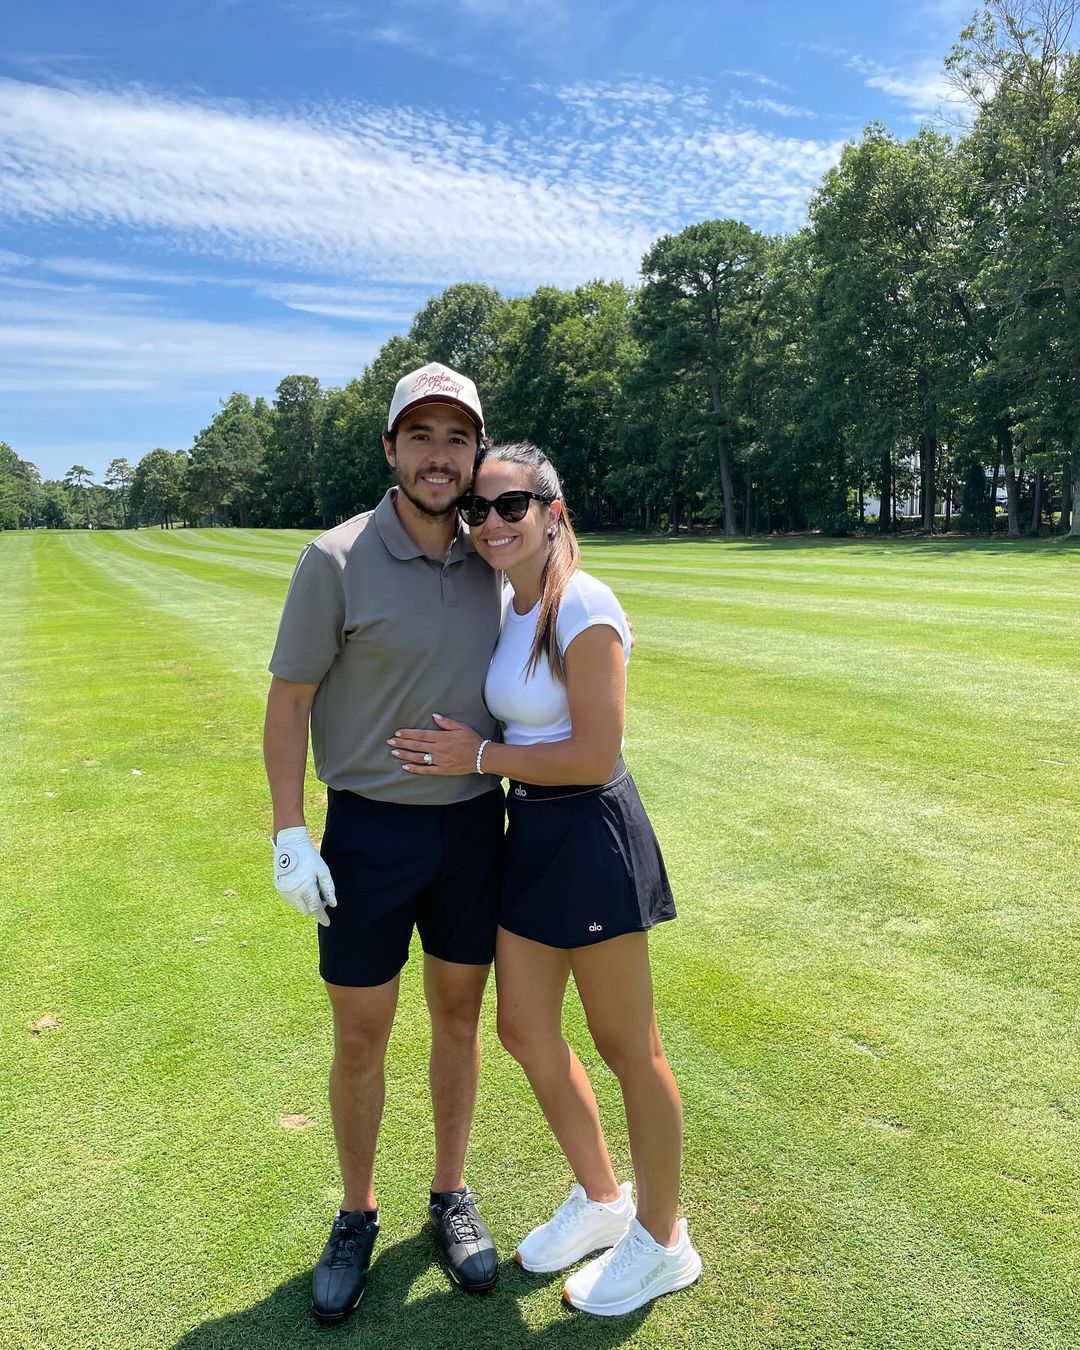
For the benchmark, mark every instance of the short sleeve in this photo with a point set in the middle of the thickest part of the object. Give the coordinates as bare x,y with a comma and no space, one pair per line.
312,625
585,604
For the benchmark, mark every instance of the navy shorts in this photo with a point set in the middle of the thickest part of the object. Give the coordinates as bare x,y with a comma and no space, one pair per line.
582,864
397,866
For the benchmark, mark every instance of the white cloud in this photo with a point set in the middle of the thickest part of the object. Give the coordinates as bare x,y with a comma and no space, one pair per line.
755,77
98,269
395,195
771,106
393,305
389,306
924,86
101,343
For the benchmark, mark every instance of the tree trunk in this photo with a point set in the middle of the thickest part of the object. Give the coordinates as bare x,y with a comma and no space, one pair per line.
1074,533
1066,485
1005,450
862,506
723,454
1036,510
748,510
927,458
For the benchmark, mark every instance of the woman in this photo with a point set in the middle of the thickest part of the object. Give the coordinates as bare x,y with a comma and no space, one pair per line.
584,882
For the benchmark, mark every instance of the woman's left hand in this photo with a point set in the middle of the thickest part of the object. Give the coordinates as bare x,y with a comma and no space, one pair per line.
450,750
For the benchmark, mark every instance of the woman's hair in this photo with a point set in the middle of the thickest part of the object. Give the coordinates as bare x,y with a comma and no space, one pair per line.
562,560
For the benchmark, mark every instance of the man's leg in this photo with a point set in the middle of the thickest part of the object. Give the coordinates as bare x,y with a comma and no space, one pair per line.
454,994
363,1018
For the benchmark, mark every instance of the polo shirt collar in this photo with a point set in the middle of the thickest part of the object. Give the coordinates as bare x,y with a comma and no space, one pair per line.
400,544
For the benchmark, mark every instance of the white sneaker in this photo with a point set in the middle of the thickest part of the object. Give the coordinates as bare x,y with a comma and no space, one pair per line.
579,1226
633,1273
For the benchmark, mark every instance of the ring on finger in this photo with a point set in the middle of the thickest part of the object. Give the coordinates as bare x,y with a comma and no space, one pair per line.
428,757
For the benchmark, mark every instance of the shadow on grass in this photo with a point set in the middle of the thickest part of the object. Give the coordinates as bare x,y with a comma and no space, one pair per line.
449,1318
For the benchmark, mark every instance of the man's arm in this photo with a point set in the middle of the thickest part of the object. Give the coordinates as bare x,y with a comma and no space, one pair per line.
285,748
300,875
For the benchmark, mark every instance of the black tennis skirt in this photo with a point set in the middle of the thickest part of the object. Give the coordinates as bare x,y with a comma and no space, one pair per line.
582,864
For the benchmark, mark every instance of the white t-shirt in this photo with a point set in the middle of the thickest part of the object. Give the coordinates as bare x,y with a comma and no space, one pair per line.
535,710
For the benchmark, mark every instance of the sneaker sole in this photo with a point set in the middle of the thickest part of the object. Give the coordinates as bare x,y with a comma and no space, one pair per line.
628,1305
572,1258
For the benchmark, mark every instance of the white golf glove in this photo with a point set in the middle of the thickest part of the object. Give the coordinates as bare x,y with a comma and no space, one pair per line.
301,876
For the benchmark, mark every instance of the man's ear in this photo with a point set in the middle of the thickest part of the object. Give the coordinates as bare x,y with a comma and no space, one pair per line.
388,451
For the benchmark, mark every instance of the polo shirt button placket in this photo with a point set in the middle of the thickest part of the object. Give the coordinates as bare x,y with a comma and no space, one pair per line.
449,590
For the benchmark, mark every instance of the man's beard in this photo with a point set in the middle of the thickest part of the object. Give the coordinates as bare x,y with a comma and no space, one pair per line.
425,508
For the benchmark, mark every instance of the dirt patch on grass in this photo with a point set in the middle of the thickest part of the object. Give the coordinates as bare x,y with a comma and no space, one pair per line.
890,1124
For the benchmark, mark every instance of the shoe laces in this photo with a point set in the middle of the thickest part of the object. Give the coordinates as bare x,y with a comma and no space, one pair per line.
344,1238
567,1214
624,1253
460,1220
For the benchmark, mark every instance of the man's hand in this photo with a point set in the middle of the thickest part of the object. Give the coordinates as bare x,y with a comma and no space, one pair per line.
301,876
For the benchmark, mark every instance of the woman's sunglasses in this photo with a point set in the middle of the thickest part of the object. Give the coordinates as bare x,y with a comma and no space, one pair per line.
511,506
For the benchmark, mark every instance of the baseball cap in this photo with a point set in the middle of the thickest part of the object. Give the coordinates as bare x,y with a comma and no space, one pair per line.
434,383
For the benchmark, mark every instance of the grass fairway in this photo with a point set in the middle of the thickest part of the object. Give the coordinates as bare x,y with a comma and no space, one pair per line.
863,761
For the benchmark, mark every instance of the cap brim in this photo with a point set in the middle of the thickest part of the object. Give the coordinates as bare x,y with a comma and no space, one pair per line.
447,402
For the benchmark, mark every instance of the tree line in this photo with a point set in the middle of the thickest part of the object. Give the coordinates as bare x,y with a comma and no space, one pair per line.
914,350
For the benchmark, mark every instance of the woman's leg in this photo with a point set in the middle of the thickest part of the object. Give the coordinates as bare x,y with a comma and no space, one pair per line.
615,984
531,981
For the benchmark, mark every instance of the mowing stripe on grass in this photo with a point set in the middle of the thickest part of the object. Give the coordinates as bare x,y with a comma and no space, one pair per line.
862,762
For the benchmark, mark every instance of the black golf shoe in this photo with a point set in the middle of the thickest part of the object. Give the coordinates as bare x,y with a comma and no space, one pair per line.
337,1282
464,1238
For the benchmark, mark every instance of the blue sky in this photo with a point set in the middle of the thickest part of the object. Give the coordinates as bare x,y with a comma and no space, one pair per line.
207,196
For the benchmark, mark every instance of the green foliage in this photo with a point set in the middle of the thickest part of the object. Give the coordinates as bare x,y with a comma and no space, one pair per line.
228,462
20,491
292,450
699,306
55,509
157,488
459,328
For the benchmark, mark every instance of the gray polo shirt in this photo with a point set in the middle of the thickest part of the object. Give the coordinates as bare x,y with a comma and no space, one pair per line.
390,637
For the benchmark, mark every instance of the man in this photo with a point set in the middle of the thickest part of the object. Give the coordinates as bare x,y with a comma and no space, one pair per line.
389,617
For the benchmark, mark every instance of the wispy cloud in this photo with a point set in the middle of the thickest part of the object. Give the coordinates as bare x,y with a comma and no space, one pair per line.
755,78
770,105
97,269
444,29
400,195
388,305
392,307
95,343
923,87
